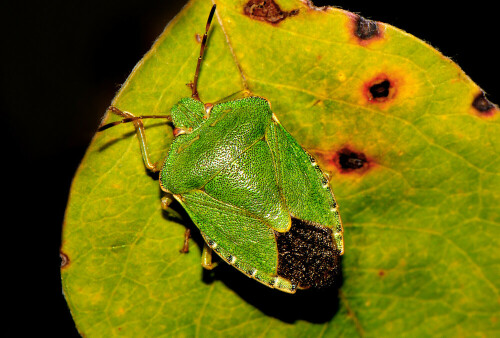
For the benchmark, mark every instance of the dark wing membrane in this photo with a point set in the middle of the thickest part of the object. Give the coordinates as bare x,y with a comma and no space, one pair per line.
307,255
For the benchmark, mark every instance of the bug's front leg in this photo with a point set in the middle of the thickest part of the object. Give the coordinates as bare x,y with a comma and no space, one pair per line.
141,135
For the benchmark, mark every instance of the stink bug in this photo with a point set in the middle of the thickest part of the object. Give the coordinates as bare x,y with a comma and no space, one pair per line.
260,200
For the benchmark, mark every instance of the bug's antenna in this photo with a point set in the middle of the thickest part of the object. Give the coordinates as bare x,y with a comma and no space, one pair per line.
194,85
127,117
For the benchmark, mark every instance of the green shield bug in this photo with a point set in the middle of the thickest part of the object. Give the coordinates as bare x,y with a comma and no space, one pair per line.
260,200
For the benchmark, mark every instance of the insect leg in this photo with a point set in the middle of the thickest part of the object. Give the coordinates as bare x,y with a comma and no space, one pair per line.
206,258
185,247
141,135
165,204
166,201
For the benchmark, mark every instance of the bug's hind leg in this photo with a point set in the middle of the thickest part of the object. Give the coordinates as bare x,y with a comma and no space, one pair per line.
165,204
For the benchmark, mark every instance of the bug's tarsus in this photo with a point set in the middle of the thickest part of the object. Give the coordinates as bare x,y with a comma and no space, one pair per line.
128,117
206,258
194,84
117,111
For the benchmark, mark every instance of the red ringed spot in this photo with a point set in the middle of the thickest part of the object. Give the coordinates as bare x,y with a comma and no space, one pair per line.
349,161
267,11
64,259
483,106
379,89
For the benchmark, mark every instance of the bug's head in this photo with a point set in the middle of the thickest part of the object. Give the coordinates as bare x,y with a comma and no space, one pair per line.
188,114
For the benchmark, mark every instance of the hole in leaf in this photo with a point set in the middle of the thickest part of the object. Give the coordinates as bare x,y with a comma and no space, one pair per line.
380,89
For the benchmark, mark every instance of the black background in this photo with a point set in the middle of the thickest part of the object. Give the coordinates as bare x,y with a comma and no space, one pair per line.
61,64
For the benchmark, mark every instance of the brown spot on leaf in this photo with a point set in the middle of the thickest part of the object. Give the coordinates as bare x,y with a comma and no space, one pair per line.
64,259
483,106
381,273
345,160
366,29
267,10
198,37
348,161
380,89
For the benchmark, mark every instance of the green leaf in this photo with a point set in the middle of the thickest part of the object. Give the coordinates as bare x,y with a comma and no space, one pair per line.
414,165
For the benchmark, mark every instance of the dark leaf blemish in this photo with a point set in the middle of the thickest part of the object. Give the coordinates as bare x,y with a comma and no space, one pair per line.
366,29
346,160
64,259
350,160
266,10
482,104
380,90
